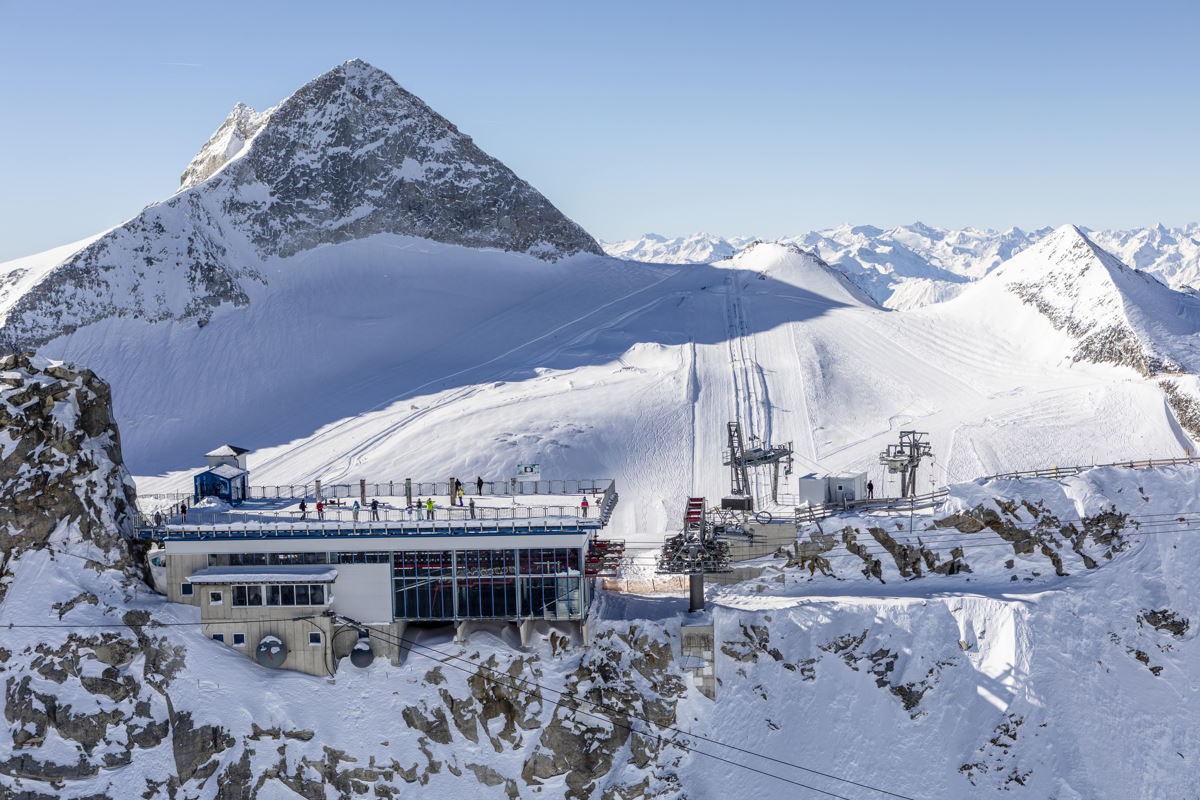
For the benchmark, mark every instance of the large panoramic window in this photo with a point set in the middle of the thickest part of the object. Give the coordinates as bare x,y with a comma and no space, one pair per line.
280,594
424,585
551,583
489,584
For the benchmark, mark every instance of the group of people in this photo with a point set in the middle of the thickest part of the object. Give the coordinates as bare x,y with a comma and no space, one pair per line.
423,508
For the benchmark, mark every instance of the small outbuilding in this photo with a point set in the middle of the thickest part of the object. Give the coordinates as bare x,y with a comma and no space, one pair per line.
832,489
226,477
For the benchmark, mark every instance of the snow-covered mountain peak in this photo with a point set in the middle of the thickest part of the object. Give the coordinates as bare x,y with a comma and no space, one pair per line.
1116,313
789,263
226,144
347,156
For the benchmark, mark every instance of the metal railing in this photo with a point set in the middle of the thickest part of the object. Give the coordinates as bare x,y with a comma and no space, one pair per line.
163,501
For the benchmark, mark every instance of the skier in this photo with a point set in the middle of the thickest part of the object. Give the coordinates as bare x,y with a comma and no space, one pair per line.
584,506
870,490
320,511
479,485
471,505
303,510
429,508
355,508
374,509
460,495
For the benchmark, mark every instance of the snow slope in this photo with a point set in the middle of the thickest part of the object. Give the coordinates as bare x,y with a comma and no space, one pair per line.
601,368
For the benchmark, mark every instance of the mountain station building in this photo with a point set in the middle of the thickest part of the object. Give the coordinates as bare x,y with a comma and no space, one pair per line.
296,591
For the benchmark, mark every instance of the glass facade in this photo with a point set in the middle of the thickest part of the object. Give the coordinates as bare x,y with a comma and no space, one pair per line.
489,584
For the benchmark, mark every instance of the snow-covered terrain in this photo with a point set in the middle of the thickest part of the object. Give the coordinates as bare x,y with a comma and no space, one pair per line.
345,285
914,265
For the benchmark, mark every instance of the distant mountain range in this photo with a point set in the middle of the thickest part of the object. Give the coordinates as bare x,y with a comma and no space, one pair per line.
913,265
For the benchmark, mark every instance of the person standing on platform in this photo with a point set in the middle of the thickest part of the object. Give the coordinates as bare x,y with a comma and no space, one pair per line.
355,508
374,509
410,508
320,510
584,506
460,495
183,512
479,486
471,505
870,490
429,508
303,510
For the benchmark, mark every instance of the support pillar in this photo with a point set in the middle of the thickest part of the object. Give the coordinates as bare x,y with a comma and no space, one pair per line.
408,490
525,628
696,593
317,490
362,491
462,630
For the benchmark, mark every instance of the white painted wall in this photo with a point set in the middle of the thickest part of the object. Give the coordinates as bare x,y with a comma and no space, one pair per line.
363,592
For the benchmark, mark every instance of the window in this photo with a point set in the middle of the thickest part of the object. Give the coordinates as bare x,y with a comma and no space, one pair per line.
314,638
254,595
219,637
287,594
185,589
239,640
214,598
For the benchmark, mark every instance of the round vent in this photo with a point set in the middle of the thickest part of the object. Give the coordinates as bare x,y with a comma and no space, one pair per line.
362,655
271,652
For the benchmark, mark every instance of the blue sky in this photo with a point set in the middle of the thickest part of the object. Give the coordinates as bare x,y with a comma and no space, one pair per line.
762,118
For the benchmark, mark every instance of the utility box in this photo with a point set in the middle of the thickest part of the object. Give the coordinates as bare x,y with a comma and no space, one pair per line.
738,503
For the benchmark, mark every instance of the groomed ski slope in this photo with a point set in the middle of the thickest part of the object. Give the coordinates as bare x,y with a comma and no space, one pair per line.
392,357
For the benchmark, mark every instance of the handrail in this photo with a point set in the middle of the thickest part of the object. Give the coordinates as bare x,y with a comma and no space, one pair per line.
161,501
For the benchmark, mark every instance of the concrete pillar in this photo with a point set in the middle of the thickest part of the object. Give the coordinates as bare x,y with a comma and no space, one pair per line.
317,491
408,490
696,591
362,491
525,628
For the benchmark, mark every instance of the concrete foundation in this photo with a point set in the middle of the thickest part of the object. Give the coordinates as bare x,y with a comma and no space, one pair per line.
697,652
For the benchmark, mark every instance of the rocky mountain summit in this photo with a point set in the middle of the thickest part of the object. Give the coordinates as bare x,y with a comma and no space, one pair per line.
349,155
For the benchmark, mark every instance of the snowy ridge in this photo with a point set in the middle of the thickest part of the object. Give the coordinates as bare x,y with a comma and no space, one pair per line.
349,155
1118,314
697,248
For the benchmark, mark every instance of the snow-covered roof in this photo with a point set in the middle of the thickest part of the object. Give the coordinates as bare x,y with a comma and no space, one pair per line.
226,450
227,471
278,574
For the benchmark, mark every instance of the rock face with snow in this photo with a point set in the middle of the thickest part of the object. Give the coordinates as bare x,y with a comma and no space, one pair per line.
349,155
60,459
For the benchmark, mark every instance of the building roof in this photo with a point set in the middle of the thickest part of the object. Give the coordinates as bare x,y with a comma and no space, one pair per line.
226,450
277,574
227,471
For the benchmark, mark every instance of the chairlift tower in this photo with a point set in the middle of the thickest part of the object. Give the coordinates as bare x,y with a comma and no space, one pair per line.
740,459
695,551
905,457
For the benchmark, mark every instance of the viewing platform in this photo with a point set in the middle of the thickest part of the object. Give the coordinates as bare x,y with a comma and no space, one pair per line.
526,511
